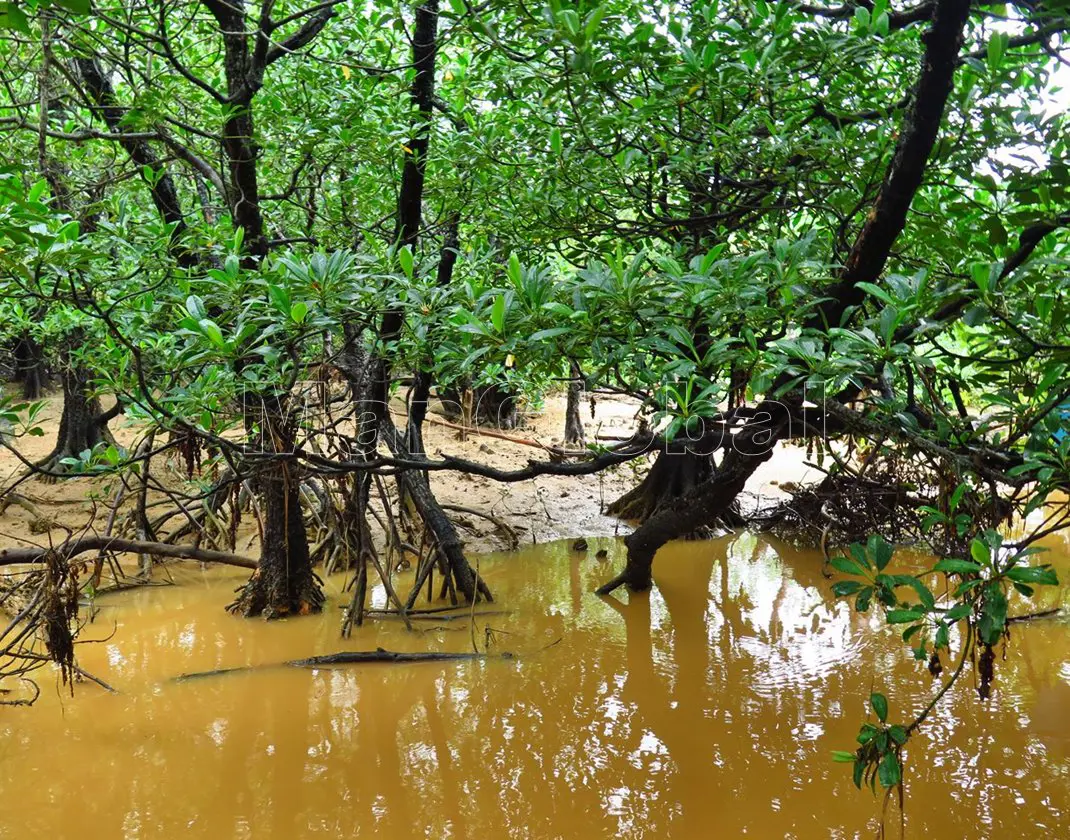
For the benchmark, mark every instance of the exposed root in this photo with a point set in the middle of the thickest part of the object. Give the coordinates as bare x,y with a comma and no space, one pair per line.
888,494
503,527
270,597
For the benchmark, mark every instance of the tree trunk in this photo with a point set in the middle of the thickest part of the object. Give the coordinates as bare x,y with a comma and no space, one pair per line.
30,368
574,435
244,76
82,425
671,478
284,583
705,504
446,539
492,406
357,365
161,185
864,265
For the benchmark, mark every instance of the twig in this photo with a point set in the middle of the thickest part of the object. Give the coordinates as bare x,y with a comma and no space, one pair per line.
86,675
1036,615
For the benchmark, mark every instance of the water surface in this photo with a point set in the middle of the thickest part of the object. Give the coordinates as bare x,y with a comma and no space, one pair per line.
708,708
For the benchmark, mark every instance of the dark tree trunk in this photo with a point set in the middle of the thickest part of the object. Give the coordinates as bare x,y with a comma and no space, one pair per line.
492,406
284,583
413,485
82,425
356,363
373,378
869,254
446,539
422,93
30,369
672,477
161,186
244,76
573,418
705,504
411,193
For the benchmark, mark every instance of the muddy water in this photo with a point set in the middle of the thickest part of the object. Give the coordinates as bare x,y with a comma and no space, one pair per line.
706,709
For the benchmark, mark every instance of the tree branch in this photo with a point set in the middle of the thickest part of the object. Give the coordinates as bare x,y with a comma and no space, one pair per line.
72,548
309,30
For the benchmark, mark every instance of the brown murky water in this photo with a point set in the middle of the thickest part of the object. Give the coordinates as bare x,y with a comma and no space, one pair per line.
706,709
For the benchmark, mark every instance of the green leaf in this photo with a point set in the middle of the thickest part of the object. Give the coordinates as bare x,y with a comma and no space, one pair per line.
848,567
843,588
954,566
571,20
215,335
942,636
957,612
280,298
842,756
551,332
993,614
912,631
858,552
889,772
497,314
298,312
875,290
516,273
555,140
880,550
880,705
980,552
903,616
1033,574
898,734
405,260
996,47
12,17
590,28
928,600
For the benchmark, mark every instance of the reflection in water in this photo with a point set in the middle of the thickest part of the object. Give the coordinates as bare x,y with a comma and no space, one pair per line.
706,708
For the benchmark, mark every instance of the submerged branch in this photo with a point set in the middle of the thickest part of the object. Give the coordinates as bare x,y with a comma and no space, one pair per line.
351,657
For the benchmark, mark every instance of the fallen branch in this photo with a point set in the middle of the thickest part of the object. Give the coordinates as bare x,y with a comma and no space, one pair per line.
465,616
350,657
420,611
72,548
